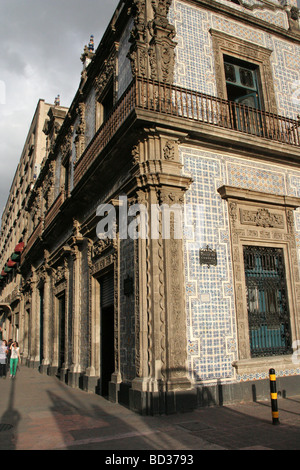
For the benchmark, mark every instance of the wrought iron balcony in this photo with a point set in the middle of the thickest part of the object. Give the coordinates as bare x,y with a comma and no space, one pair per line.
171,100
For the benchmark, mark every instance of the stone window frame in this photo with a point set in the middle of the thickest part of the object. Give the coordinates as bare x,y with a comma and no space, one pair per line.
224,44
263,231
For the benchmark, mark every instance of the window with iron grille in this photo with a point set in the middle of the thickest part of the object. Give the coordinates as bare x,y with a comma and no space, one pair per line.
268,312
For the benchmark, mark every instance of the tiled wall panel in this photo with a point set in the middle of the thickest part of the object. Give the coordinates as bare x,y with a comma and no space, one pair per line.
194,54
212,345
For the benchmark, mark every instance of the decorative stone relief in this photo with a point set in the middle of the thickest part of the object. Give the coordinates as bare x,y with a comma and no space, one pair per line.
66,146
162,46
262,218
293,16
105,75
80,131
152,51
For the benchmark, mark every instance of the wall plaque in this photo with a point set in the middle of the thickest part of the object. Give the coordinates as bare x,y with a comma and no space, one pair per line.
208,256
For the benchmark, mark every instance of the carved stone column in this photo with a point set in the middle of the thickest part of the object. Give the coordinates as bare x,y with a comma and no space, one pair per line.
34,332
22,322
162,383
138,53
152,53
46,320
75,368
162,46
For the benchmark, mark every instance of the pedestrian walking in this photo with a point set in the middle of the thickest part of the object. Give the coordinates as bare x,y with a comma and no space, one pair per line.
14,358
3,353
8,355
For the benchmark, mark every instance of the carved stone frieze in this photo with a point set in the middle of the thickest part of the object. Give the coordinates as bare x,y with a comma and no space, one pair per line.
101,246
261,218
169,151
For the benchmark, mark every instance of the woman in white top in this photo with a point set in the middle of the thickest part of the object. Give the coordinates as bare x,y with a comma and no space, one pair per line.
14,358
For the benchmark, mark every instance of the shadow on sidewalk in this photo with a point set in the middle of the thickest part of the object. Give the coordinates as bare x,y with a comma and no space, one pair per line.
10,419
55,416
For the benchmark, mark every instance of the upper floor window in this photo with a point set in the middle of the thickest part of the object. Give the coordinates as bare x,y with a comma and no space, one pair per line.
105,104
243,72
242,82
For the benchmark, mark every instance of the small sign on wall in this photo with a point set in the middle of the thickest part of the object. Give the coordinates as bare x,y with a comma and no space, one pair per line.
208,257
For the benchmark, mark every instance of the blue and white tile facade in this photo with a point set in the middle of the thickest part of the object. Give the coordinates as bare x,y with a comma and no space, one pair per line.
194,54
212,345
211,317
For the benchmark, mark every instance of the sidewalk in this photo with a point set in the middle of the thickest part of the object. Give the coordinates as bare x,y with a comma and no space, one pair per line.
38,412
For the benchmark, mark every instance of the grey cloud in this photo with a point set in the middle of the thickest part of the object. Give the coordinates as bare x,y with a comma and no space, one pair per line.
46,37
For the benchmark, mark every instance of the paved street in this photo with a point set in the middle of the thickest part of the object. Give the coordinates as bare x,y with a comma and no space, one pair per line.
38,412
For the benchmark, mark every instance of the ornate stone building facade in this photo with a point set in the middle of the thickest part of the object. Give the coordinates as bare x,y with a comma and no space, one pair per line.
190,104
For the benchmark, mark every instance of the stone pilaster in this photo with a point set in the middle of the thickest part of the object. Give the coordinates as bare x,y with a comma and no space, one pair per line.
162,46
46,320
75,369
162,383
34,351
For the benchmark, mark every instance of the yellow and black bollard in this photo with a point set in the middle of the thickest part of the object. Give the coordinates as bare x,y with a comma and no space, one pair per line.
274,403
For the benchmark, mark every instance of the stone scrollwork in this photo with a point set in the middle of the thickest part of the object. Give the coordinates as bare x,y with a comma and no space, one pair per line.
152,53
80,131
261,218
105,76
66,147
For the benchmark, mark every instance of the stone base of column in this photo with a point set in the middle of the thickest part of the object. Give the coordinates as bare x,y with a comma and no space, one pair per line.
52,371
63,374
33,364
74,379
44,368
157,403
90,384
113,392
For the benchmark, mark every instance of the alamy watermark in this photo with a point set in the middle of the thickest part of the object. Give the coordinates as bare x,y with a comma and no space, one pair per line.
296,353
135,221
296,92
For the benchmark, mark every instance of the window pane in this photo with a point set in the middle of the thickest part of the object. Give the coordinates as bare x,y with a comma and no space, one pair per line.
247,78
230,73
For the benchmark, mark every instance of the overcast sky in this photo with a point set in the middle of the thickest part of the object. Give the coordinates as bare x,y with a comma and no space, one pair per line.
41,42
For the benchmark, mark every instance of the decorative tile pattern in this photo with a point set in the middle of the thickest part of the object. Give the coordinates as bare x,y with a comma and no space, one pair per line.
211,317
194,55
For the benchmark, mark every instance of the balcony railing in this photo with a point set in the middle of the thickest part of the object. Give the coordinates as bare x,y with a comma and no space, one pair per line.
180,102
175,101
115,119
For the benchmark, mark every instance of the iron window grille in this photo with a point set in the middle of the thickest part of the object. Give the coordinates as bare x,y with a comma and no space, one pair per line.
268,311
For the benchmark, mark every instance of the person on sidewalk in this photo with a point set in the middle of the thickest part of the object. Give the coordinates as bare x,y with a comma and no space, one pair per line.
3,352
14,359
8,355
